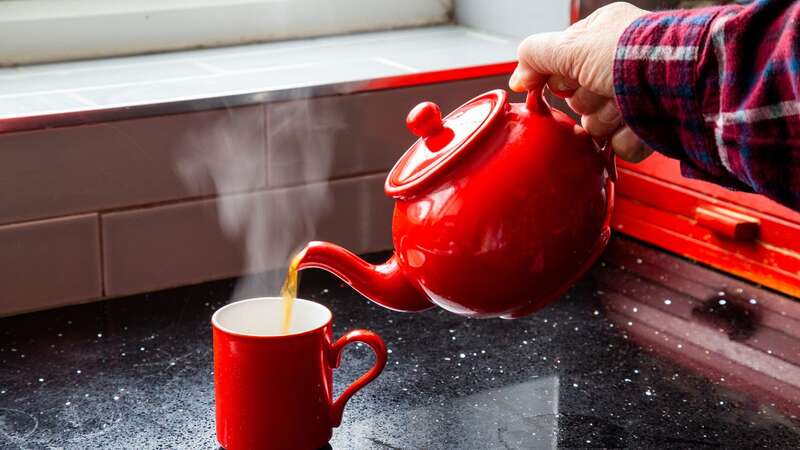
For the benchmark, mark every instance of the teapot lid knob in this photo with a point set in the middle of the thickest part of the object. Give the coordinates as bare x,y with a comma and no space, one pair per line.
443,141
425,119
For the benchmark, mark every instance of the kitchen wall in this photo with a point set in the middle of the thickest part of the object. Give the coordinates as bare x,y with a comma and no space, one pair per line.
107,210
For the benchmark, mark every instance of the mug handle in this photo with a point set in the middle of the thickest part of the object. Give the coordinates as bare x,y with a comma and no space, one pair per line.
377,345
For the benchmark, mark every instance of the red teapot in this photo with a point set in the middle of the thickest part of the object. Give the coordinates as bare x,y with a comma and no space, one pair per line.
500,208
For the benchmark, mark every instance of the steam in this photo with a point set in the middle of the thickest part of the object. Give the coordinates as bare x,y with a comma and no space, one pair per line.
266,205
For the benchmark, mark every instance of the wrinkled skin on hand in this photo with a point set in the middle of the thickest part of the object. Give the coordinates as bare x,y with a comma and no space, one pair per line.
578,64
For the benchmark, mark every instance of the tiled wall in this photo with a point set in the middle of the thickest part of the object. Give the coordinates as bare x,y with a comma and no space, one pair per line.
139,205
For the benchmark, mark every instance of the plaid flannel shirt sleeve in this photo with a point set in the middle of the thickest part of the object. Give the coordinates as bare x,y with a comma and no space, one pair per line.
718,89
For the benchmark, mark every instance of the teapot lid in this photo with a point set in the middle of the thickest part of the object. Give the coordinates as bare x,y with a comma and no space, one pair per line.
441,141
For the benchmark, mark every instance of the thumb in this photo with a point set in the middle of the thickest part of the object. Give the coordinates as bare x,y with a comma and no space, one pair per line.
544,54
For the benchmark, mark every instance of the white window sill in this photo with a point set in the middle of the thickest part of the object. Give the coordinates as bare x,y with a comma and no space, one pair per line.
42,96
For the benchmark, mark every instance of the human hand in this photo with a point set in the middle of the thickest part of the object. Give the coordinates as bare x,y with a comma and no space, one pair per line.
578,64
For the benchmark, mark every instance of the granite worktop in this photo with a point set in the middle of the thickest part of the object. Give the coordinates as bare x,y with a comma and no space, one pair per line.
136,372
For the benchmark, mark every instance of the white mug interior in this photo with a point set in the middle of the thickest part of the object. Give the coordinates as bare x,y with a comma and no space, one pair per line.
263,316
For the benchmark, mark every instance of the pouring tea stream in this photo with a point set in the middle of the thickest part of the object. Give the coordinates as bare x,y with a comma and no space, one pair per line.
499,208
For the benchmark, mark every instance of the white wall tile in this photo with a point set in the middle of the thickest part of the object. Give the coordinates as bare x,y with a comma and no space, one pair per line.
172,245
118,164
49,263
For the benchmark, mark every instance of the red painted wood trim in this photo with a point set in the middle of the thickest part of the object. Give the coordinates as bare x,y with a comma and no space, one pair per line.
757,261
665,169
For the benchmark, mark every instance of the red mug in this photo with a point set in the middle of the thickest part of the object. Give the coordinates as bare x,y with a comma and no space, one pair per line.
274,390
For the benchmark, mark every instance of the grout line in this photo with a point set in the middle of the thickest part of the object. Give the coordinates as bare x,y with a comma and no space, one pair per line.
488,37
265,132
278,187
227,52
92,66
204,76
67,215
102,258
78,98
209,67
199,198
358,40
396,65
101,211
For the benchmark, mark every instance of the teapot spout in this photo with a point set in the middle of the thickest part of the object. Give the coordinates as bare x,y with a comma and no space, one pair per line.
384,284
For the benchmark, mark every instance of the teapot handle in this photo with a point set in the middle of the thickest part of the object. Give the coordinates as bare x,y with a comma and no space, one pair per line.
536,103
609,160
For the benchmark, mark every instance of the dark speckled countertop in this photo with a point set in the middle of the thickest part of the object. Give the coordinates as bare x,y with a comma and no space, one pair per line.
136,373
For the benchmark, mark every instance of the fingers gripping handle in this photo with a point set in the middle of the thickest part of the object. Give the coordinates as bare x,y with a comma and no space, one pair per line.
536,104
377,345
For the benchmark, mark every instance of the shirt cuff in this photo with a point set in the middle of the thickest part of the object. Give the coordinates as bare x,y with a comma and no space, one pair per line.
656,86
